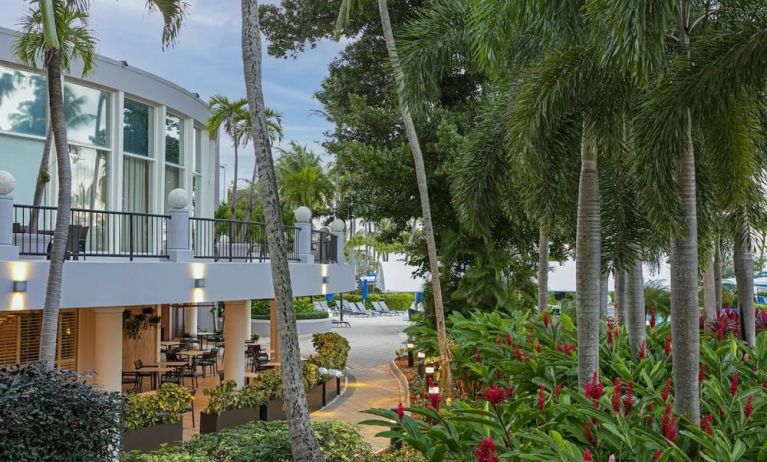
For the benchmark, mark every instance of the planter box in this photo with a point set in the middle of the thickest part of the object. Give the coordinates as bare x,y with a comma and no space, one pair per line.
152,438
332,389
273,410
316,397
210,423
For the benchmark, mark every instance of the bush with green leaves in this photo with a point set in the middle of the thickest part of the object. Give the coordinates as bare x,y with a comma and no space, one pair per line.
399,301
263,442
53,415
163,407
227,396
332,350
519,397
299,316
303,306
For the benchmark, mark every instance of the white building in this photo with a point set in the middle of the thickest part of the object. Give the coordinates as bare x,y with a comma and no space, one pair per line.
133,138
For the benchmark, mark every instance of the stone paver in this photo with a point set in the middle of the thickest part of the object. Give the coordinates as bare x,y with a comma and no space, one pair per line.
371,384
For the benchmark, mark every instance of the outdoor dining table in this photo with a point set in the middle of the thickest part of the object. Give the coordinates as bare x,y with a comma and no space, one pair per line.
157,369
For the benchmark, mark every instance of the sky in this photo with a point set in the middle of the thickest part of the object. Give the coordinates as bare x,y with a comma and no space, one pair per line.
207,60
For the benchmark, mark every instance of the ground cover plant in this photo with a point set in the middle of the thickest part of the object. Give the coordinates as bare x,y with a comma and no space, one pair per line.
519,397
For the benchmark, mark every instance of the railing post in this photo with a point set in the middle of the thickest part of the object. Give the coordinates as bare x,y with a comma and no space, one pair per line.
178,227
8,251
130,237
337,228
304,224
231,239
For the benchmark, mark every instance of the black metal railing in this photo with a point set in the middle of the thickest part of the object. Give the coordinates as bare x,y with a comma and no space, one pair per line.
92,233
324,247
230,240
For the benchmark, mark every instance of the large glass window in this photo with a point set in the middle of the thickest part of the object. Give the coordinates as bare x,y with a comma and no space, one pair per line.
23,102
137,183
137,128
89,177
174,139
87,114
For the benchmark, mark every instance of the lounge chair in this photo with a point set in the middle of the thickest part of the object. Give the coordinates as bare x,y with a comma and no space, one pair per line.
383,309
349,308
386,308
362,310
318,307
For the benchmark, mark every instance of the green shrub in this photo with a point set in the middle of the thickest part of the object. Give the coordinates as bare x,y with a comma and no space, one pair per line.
226,397
399,301
164,407
299,316
303,306
332,350
53,415
263,442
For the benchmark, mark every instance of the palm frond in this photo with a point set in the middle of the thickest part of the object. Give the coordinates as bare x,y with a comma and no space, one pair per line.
173,14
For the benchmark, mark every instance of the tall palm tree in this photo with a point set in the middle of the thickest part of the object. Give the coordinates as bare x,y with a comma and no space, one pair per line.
303,441
53,33
420,173
231,114
302,180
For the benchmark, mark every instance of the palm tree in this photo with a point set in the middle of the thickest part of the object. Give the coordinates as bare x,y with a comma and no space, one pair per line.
274,127
420,173
303,441
301,179
231,114
53,33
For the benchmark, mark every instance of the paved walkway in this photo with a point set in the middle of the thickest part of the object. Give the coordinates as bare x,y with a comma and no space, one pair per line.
371,384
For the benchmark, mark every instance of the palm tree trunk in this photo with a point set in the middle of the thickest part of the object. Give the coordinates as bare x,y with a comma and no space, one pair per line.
635,310
543,268
234,183
420,173
587,262
603,293
709,296
303,442
744,276
718,272
53,289
43,178
685,332
620,296
252,192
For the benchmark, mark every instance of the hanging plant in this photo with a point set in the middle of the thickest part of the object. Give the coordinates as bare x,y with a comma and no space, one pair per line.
134,323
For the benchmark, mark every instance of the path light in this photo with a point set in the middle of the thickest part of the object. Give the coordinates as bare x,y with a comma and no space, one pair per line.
429,370
410,359
19,286
421,355
433,390
199,283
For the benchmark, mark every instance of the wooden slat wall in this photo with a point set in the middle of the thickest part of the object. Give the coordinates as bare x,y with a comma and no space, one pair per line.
20,338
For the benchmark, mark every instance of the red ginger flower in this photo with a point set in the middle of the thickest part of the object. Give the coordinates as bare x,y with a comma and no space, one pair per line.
557,346
587,456
666,390
652,317
588,433
643,350
628,399
734,384
594,388
702,373
509,391
498,340
669,424
546,319
537,346
494,395
478,356
434,400
541,398
656,458
517,354
568,348
508,338
485,452
749,407
667,346
617,392
557,390
401,411
705,423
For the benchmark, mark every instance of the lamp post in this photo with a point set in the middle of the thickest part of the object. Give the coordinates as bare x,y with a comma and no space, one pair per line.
223,167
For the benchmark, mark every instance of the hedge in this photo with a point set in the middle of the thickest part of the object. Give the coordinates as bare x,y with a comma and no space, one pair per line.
299,316
263,442
395,301
259,309
53,415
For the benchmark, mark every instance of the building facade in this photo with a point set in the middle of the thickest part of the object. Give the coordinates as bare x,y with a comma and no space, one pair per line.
142,241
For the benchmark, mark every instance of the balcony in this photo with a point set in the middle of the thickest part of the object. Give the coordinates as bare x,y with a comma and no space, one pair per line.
106,235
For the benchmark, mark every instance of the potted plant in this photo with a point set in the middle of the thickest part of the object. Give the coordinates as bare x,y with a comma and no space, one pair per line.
229,407
270,381
152,420
314,385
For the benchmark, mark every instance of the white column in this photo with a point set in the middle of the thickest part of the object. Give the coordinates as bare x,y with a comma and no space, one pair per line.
236,319
249,324
108,348
190,321
8,251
